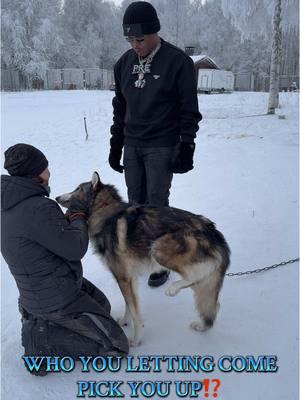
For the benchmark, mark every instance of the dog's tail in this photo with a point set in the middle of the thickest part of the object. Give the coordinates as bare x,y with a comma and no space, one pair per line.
207,289
224,252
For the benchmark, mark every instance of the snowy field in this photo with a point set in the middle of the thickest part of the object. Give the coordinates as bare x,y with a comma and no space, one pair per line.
245,179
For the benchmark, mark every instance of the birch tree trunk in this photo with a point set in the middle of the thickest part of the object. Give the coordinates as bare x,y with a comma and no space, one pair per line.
275,60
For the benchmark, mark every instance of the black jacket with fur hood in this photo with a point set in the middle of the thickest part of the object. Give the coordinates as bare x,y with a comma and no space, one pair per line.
42,249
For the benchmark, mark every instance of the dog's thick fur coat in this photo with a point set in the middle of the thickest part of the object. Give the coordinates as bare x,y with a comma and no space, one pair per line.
132,239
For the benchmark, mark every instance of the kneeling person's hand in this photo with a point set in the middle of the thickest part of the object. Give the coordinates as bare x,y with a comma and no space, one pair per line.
77,209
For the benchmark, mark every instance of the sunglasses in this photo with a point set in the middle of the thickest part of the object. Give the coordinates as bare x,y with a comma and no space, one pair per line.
130,39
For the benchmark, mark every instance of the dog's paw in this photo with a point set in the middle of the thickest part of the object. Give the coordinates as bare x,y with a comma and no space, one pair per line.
198,326
135,342
172,290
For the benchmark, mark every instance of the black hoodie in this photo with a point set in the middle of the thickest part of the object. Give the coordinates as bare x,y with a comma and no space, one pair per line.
166,110
42,249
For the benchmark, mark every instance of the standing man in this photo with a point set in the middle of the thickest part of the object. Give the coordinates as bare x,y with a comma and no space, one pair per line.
155,112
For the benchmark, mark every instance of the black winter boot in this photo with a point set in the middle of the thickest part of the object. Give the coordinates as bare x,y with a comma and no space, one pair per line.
65,342
158,278
34,341
40,337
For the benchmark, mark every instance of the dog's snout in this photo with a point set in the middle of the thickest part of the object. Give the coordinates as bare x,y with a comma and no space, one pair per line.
63,199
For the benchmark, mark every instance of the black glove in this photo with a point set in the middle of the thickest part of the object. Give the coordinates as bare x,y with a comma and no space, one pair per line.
115,154
183,161
77,209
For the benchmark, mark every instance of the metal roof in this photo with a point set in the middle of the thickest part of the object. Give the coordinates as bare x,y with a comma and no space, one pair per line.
203,57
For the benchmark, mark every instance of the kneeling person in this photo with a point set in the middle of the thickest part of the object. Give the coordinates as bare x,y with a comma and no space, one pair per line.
62,312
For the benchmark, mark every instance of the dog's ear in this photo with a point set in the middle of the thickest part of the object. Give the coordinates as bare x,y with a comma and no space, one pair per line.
97,184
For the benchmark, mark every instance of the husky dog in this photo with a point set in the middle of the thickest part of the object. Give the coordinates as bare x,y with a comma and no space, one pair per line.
132,238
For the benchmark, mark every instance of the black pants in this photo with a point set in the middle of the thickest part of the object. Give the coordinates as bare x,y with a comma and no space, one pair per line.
148,174
89,316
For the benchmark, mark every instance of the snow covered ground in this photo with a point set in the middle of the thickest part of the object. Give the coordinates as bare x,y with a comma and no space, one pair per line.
245,179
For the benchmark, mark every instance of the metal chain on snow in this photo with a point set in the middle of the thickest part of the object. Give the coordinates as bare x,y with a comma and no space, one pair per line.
256,271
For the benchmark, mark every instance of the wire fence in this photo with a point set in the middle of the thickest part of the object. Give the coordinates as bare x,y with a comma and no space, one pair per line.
97,78
57,79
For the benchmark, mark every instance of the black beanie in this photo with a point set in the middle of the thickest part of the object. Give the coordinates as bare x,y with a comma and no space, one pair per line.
24,160
140,18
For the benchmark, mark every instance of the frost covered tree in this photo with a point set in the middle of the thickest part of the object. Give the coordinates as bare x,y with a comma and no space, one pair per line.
40,34
30,38
92,32
214,35
253,19
290,49
275,59
82,38
174,17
